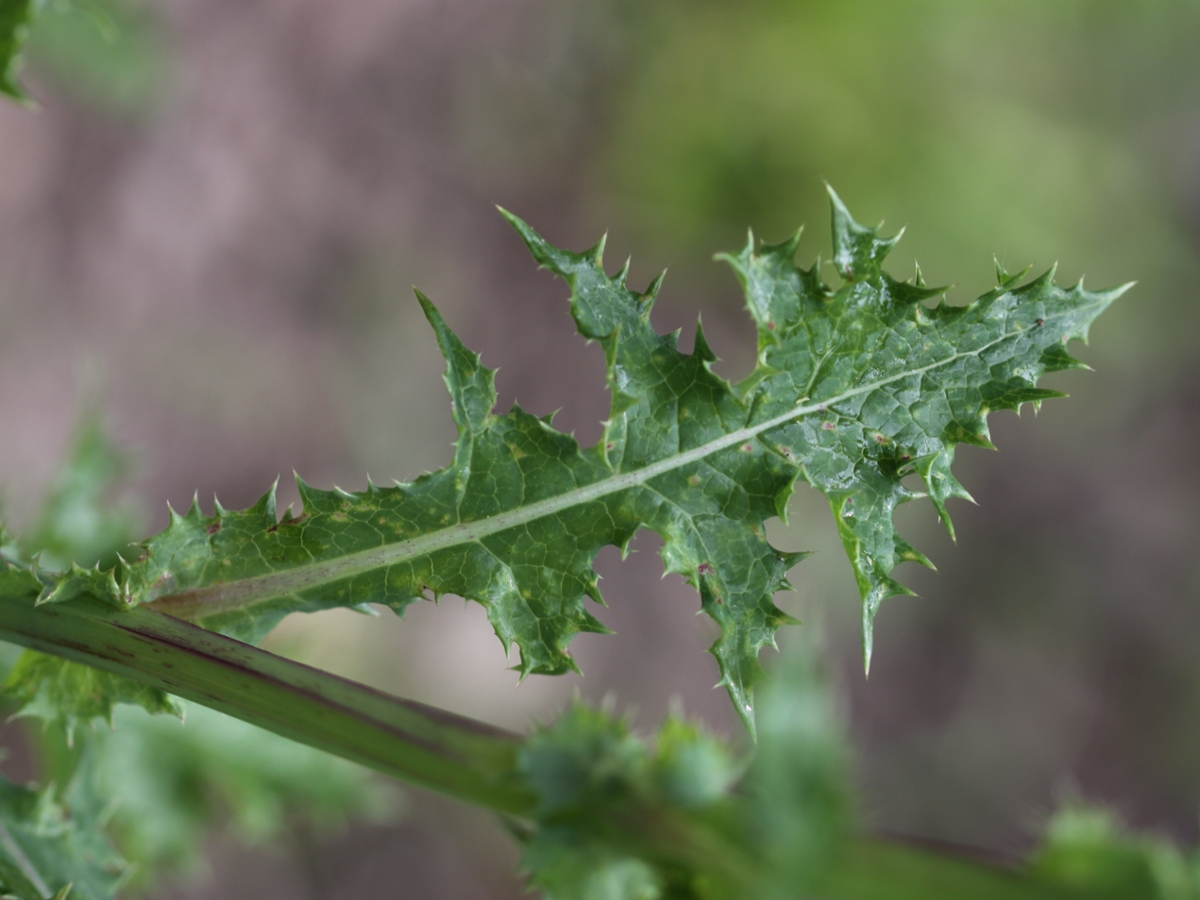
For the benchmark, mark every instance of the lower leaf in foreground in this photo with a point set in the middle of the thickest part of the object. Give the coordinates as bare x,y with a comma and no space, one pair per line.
621,818
47,846
854,389
72,694
171,784
1087,849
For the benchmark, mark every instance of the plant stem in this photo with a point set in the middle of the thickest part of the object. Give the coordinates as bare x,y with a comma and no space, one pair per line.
439,750
874,869
417,743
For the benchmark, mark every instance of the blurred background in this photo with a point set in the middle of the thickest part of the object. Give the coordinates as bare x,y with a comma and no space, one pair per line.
215,216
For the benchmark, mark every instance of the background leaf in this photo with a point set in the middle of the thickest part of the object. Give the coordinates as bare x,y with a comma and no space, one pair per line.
15,18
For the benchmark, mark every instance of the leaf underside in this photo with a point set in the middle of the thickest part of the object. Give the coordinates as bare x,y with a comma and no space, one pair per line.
854,388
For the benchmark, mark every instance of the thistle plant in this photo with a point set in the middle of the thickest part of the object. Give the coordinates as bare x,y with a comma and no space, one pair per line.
859,382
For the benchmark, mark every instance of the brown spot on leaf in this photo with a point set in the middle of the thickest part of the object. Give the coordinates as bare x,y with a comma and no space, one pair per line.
705,568
828,426
213,528
746,448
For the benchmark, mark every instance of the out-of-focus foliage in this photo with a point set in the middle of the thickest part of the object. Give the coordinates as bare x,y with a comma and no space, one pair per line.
590,773
172,783
73,695
159,785
110,54
15,18
84,519
1087,848
54,846
599,787
799,783
948,111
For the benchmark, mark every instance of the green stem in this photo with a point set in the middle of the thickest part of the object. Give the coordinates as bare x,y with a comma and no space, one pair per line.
863,868
442,751
875,869
417,743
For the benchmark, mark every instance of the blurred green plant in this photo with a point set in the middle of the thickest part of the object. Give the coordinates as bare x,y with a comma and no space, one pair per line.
857,385
155,786
110,55
16,16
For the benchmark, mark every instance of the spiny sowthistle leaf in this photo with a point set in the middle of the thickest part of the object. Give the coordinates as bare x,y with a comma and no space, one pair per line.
855,388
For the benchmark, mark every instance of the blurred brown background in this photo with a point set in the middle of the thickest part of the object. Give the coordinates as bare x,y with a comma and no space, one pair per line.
216,215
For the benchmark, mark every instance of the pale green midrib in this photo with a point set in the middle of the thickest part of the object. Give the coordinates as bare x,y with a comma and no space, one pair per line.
218,598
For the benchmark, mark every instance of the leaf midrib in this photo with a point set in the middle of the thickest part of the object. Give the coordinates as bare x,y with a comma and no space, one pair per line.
228,596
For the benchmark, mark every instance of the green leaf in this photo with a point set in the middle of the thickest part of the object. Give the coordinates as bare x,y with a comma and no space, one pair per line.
16,16
47,846
854,389
864,385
